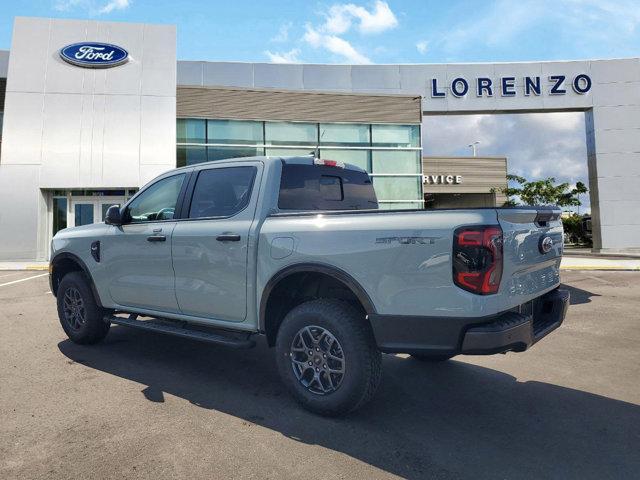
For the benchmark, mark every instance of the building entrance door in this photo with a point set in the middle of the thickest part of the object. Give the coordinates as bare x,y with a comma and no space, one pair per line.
87,210
73,208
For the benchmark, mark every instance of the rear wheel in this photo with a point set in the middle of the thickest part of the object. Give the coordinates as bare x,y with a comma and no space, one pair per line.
327,357
80,316
432,358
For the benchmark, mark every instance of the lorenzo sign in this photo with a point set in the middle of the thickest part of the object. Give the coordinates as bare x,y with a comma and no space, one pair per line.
94,55
506,86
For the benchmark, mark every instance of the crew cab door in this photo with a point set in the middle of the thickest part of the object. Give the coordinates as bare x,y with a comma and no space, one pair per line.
137,254
210,245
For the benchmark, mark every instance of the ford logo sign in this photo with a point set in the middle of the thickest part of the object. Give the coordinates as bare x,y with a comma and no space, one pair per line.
94,55
546,244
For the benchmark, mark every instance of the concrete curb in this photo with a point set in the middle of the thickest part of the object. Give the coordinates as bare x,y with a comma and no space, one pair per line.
596,268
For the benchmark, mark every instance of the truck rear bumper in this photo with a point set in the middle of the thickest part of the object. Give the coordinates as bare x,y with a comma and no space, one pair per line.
514,330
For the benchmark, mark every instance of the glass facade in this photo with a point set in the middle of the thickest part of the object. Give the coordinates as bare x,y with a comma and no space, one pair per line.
391,153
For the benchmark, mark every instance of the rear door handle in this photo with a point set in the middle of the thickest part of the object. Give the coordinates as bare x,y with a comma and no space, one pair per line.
156,238
228,237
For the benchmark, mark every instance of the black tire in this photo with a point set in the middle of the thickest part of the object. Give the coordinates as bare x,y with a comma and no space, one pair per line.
432,358
348,333
80,316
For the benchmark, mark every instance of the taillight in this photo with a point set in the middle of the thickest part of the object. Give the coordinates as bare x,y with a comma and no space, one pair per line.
477,258
328,163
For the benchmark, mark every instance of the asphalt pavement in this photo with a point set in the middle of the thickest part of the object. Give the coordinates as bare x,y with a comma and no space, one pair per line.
142,405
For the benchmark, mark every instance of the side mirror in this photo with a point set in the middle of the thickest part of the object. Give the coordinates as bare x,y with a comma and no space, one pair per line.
113,216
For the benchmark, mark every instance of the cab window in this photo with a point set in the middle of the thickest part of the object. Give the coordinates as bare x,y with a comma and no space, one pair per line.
156,203
221,192
316,187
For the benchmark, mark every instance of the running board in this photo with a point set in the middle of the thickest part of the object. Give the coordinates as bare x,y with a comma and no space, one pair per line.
172,328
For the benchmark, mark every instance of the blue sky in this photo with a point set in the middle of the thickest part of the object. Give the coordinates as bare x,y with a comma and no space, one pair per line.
411,31
400,31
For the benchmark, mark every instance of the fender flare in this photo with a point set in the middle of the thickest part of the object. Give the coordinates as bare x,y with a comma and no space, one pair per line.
83,267
329,270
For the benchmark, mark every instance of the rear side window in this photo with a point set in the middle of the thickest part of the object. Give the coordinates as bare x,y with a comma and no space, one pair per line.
221,192
319,187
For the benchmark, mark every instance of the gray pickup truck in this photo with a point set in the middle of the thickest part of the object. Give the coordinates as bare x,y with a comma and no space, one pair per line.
295,251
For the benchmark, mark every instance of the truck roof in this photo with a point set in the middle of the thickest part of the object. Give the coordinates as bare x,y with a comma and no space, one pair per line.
292,160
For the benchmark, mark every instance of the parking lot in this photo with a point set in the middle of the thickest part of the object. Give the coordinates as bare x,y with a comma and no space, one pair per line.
142,405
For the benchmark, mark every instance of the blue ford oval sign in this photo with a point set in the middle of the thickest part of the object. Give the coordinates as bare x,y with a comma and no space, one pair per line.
94,55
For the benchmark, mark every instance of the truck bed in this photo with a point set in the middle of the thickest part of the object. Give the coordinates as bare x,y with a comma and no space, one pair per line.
403,258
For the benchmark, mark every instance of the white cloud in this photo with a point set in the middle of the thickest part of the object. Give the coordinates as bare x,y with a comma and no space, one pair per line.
292,56
334,44
329,33
115,5
91,7
283,33
422,46
339,18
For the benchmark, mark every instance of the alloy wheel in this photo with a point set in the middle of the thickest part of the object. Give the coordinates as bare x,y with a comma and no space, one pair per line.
317,360
75,313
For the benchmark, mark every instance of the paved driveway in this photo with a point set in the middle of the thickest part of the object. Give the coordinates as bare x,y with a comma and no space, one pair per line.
147,406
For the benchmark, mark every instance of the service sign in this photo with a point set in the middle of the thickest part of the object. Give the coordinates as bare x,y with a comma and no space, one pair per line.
442,179
94,55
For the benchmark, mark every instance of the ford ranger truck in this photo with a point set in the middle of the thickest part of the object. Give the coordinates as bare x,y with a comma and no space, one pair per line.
295,251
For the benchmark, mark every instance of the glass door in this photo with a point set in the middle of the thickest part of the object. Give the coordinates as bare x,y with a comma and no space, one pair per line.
83,213
73,208
88,210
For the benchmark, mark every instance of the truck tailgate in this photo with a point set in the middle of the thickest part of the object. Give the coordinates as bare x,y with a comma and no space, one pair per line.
533,242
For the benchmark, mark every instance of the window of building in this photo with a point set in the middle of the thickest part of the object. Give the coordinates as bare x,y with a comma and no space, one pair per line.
190,155
221,153
390,152
93,193
191,130
222,192
395,135
158,202
59,214
288,152
290,133
234,132
398,188
395,161
345,134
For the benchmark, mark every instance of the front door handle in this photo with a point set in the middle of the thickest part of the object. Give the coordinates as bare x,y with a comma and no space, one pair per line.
228,237
156,238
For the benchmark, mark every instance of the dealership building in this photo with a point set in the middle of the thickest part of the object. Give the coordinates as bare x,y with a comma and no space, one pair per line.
93,110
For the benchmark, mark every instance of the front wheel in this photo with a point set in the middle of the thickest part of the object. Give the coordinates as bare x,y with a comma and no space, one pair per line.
80,316
327,357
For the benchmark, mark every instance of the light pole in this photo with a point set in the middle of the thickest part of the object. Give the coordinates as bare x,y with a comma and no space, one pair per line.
474,147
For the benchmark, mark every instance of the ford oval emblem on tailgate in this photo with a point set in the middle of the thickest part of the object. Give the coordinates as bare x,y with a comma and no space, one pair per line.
94,55
546,244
